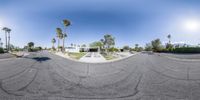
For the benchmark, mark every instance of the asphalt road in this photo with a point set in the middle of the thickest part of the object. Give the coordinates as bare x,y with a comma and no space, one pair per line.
44,76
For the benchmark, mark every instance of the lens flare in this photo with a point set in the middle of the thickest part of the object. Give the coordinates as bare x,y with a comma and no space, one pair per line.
192,25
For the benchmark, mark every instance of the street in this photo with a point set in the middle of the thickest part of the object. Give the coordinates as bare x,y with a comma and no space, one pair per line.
44,76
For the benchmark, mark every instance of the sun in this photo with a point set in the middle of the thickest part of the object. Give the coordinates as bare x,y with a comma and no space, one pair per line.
192,25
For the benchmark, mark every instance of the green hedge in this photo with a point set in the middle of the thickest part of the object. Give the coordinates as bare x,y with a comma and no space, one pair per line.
187,50
1,50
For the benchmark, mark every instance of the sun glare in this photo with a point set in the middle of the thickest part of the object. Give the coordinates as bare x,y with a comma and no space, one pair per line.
192,25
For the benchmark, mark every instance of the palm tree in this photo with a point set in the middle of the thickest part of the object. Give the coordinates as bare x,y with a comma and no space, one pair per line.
64,36
53,42
136,47
66,24
59,35
8,31
169,37
5,29
7,36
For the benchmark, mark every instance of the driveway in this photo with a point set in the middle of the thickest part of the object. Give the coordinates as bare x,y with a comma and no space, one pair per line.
43,76
93,57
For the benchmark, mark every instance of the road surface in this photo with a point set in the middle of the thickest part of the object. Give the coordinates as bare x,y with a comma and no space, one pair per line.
44,76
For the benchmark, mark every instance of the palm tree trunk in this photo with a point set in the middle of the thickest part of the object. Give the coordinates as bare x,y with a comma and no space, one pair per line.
64,39
52,45
63,44
58,44
6,41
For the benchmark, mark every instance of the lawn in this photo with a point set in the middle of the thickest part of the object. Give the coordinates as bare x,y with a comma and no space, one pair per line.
76,55
109,57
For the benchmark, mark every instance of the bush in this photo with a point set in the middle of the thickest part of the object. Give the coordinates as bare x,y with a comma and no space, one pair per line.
126,48
113,49
187,50
1,50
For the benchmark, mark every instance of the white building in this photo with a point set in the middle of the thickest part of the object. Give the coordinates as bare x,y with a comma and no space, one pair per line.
77,49
72,49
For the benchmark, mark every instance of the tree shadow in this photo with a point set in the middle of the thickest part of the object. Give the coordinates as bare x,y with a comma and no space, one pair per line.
41,59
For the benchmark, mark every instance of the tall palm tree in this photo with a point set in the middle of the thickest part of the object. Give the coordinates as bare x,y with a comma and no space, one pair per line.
64,36
136,47
5,29
169,37
66,24
53,42
8,31
59,35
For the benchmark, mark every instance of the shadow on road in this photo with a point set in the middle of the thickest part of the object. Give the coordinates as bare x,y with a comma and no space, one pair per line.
41,59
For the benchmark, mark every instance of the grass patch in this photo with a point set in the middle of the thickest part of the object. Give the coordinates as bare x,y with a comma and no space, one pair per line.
76,55
109,57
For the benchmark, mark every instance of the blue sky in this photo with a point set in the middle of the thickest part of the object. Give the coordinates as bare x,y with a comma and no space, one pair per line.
129,21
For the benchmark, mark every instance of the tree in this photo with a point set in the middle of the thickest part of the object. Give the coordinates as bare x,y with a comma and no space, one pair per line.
9,30
156,45
169,46
148,47
1,50
53,41
140,49
136,47
108,41
59,35
102,41
7,41
66,24
64,36
169,37
126,48
96,44
30,44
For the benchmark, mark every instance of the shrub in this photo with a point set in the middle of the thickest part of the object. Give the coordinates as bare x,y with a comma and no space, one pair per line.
1,50
187,50
126,48
113,49
156,45
139,49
